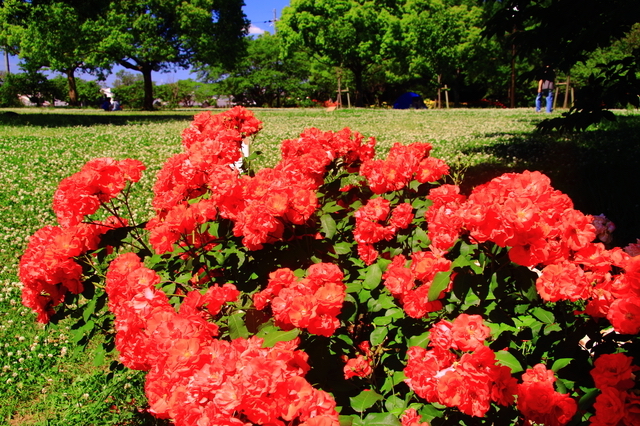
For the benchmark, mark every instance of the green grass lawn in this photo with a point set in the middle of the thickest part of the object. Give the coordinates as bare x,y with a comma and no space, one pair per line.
44,381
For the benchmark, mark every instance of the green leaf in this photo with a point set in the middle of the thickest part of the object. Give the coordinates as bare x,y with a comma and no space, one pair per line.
98,360
393,402
550,328
559,364
374,305
169,288
331,207
420,237
393,380
328,226
279,336
89,309
354,287
440,282
237,327
346,420
387,301
381,419
378,335
345,338
373,277
364,400
507,359
364,296
342,248
544,315
430,412
382,320
587,399
467,249
420,340
461,261
564,386
352,420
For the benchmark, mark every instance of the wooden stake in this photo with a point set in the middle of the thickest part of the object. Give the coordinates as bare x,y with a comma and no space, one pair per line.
565,104
446,95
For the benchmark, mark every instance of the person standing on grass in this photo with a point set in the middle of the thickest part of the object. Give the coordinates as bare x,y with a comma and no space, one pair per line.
545,88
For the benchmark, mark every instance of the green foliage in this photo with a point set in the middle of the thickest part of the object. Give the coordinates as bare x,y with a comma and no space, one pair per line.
566,32
49,40
439,37
131,96
88,91
9,91
265,78
348,34
186,93
146,37
34,85
126,78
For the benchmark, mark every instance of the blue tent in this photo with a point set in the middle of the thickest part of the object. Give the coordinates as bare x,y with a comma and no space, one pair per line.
409,100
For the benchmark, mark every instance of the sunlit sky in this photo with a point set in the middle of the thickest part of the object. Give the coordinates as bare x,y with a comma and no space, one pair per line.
261,13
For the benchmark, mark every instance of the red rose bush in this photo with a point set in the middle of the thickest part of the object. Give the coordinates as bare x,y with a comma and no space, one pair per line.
338,288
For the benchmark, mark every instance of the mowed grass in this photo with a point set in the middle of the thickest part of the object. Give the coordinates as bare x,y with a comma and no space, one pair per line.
44,381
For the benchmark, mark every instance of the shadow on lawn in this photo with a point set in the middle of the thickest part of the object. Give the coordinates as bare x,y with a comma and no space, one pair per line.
599,169
120,118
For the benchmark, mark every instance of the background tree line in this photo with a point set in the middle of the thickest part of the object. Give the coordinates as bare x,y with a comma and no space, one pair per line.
378,48
142,36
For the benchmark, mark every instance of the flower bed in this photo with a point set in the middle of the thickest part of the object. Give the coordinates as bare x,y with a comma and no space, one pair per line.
336,288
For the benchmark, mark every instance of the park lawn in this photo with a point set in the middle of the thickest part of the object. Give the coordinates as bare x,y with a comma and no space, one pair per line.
43,380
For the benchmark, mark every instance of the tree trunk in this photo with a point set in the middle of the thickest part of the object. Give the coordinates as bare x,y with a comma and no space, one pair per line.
439,91
456,88
73,89
6,61
147,105
357,76
512,90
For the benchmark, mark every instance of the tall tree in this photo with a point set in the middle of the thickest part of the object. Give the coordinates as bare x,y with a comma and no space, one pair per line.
50,40
13,15
564,32
438,36
264,78
354,34
161,35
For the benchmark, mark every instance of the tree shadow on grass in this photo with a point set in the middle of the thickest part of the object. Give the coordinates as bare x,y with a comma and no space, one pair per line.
119,118
599,169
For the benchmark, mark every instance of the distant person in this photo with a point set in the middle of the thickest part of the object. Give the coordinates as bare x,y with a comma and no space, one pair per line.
545,88
106,104
115,106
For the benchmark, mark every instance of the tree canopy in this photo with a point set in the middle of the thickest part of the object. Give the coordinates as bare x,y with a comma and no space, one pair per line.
161,35
380,48
354,34
143,36
562,33
49,41
264,78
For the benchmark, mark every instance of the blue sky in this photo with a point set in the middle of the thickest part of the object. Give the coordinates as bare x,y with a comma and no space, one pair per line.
259,12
